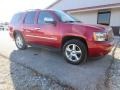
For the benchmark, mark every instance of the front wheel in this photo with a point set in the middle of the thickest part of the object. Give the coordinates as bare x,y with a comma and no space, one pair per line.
75,51
20,42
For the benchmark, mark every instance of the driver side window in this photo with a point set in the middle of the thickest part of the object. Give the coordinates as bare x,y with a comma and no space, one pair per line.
44,15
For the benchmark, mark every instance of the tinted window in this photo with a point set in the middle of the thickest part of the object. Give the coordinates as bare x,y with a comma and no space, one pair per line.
29,19
16,18
42,16
104,17
64,16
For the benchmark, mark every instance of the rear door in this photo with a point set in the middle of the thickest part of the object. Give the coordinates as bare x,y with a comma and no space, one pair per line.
29,26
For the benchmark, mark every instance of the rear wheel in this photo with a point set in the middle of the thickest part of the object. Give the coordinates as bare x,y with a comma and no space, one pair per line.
75,51
20,42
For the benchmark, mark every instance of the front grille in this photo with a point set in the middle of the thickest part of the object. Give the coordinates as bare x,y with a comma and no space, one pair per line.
110,35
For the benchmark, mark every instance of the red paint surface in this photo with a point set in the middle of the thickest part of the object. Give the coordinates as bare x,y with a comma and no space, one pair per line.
59,31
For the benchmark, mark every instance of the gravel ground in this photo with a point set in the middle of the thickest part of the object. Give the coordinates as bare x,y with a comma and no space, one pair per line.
114,74
14,76
5,79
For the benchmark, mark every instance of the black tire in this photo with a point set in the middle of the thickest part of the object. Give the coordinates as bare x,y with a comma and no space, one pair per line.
24,45
80,45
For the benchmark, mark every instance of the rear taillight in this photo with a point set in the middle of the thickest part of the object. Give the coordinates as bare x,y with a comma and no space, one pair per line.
10,28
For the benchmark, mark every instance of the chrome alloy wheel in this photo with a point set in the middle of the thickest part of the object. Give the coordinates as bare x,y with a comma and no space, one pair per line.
73,52
19,42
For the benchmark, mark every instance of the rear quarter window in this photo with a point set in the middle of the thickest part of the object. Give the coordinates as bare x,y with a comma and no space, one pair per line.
16,18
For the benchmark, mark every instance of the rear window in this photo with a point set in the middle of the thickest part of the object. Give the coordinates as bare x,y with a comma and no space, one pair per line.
16,18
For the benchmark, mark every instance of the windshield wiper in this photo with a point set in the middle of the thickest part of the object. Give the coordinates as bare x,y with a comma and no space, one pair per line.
78,21
71,21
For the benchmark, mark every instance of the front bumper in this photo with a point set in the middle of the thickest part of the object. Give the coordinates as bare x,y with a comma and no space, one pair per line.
100,48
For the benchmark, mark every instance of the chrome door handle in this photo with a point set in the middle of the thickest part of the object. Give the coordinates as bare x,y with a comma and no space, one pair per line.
37,28
26,30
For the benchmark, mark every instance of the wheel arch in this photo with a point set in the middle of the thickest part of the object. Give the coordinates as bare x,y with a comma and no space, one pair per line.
67,38
16,32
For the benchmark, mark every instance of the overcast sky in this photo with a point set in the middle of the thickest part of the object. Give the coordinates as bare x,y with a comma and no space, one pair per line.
9,7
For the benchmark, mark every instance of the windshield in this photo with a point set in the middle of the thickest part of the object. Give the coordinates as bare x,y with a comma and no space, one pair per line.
64,17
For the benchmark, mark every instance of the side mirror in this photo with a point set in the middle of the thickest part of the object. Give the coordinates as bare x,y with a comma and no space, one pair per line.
50,20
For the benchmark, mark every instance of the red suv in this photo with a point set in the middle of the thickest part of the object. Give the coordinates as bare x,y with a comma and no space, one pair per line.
57,29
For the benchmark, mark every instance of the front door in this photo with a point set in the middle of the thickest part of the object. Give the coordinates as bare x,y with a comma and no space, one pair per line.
47,29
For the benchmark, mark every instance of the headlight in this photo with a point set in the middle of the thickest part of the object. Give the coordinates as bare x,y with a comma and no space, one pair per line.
100,36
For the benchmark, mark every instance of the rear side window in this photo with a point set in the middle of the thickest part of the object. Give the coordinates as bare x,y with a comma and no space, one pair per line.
16,18
29,19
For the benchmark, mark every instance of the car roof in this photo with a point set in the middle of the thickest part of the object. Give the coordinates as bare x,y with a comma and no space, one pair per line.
30,10
41,10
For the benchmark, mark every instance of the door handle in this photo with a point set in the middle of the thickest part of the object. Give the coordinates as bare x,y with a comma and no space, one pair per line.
37,28
26,30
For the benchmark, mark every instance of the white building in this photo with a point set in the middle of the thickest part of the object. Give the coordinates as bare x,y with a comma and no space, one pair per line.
105,12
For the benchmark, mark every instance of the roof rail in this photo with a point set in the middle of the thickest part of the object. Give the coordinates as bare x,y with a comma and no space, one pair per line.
32,9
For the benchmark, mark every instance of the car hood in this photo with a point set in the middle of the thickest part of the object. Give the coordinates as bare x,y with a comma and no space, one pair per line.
97,26
83,26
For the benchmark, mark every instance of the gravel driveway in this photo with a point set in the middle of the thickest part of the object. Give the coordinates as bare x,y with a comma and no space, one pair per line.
114,74
24,78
